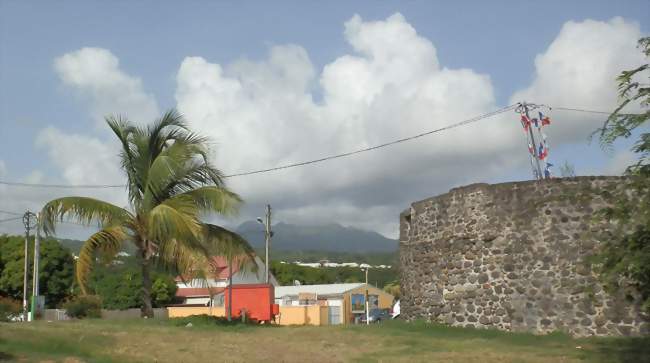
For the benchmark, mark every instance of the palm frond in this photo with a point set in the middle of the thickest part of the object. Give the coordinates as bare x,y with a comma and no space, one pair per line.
83,210
107,243
174,220
212,199
222,242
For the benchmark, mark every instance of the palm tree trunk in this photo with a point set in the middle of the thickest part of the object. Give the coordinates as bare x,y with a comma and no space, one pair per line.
147,308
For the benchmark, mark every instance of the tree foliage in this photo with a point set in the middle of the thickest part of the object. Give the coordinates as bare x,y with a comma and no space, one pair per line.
287,273
119,285
171,183
633,88
625,255
56,270
87,306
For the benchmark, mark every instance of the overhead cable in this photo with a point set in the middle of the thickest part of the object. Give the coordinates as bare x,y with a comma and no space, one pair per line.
287,166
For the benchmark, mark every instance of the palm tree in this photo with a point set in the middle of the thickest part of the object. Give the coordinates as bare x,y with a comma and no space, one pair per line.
171,184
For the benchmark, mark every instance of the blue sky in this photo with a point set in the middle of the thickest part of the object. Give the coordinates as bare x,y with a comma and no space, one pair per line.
152,39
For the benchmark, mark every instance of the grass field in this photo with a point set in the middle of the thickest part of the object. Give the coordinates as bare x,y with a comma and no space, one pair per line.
171,341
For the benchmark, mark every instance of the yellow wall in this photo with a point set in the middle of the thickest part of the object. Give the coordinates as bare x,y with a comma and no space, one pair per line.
183,311
303,315
324,315
385,299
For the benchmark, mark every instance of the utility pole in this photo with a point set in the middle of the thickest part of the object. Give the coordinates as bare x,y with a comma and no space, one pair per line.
268,233
367,302
35,282
230,287
267,241
532,138
28,225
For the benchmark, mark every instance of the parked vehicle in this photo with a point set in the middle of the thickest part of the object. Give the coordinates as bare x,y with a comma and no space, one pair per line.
375,316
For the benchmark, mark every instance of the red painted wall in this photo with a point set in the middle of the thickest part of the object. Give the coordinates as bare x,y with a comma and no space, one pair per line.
257,299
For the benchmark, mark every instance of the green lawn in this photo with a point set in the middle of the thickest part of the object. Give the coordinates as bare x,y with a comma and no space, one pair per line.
171,341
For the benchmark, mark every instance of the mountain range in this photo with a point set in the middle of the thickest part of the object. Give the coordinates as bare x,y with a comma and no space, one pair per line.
329,237
297,238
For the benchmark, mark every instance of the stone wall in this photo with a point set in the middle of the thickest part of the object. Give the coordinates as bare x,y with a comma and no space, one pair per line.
513,256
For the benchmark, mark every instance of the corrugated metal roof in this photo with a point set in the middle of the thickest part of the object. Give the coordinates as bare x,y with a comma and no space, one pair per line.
326,289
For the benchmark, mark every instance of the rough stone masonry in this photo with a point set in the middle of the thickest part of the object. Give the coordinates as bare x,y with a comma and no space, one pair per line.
514,256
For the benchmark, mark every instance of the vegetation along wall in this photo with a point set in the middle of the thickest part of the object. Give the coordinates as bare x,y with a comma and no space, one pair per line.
515,256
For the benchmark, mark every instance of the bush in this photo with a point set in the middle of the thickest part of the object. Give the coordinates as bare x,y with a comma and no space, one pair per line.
84,307
9,309
208,320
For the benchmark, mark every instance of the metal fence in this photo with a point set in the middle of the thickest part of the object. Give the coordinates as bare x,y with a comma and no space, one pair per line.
60,314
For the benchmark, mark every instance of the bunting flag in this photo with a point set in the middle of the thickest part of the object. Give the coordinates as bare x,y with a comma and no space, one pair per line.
541,154
545,119
538,152
525,122
547,170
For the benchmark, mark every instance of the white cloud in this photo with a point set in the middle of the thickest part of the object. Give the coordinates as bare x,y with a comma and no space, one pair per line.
391,86
95,73
579,70
81,159
264,113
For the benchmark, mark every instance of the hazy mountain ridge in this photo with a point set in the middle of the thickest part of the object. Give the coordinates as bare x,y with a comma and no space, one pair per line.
329,237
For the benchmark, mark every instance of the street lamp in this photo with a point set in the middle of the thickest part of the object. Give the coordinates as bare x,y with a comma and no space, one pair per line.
267,240
367,302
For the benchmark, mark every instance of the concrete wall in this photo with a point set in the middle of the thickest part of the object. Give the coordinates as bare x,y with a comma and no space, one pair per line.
303,315
513,256
183,311
161,313
289,315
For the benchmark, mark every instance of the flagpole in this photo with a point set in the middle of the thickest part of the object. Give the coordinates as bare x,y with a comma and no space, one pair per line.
532,138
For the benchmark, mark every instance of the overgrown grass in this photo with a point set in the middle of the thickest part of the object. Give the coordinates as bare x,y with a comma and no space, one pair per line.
210,339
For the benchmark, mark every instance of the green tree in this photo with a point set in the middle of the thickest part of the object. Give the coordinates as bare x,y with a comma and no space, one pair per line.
164,290
56,270
625,255
119,288
171,183
119,285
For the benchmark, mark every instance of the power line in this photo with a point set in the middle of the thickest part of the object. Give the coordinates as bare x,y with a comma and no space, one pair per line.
468,121
63,186
14,213
585,111
10,219
21,215
292,165
303,163
578,110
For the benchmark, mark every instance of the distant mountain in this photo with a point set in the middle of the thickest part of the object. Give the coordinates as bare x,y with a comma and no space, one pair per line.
330,237
72,244
293,239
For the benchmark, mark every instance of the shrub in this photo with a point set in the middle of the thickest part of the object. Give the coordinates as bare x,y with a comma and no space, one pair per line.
9,309
208,320
84,307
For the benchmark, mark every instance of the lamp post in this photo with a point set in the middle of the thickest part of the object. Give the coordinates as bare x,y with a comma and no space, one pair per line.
367,302
267,240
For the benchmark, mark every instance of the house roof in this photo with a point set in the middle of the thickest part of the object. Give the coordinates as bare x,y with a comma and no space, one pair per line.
325,289
241,274
198,291
218,269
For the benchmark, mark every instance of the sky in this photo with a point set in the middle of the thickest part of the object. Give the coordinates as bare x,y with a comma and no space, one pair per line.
280,82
